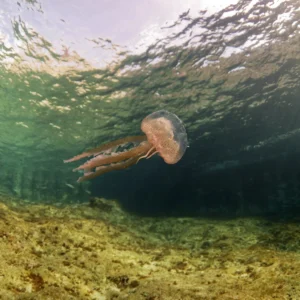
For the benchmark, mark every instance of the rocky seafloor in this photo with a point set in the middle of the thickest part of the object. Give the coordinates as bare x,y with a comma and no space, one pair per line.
98,251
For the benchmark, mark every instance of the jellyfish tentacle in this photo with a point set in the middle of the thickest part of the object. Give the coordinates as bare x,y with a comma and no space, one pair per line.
145,154
151,154
107,146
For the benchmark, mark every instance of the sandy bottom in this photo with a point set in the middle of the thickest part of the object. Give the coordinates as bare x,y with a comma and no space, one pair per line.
97,251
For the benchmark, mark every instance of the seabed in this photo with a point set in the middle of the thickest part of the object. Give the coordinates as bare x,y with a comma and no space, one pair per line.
98,251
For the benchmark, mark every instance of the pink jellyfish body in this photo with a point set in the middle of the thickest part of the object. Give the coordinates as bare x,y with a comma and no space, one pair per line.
164,135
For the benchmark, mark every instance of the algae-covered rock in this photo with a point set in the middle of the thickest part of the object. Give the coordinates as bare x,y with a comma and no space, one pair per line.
101,252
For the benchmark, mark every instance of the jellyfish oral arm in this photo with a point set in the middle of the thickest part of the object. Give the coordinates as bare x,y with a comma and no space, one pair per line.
107,147
104,169
101,159
105,160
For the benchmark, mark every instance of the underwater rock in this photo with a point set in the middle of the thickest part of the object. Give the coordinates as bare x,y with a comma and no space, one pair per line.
60,253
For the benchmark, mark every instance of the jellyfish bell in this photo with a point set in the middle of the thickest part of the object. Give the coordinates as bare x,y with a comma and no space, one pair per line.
166,132
164,135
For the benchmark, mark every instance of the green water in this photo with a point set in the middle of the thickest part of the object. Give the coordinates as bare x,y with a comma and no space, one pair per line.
232,77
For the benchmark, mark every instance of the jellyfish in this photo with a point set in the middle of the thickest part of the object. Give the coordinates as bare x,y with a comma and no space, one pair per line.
165,135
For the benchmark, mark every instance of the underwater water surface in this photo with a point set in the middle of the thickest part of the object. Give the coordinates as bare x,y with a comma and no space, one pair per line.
221,221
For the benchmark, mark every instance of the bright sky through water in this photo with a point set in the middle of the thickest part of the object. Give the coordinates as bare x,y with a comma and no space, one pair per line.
133,25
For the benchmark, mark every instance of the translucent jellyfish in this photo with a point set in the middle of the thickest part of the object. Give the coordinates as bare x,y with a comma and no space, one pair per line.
165,135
